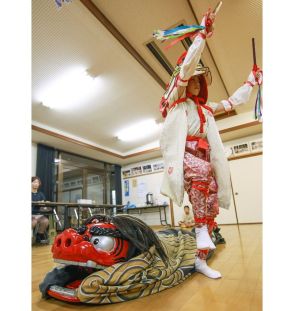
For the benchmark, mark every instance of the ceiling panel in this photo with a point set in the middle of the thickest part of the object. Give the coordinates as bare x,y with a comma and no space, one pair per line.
127,94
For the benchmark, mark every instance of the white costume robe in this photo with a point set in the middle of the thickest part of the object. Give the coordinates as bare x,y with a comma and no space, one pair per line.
183,120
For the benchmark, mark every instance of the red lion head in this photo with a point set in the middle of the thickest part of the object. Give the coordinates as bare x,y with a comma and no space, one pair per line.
101,242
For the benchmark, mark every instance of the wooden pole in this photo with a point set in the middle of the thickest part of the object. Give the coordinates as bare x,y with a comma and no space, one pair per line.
171,206
254,53
234,201
217,7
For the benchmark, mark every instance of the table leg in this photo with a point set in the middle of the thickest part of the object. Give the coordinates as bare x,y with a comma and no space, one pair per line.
57,218
66,224
78,215
161,219
159,209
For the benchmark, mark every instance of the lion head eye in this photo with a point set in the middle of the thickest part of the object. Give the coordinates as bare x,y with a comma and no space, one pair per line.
105,243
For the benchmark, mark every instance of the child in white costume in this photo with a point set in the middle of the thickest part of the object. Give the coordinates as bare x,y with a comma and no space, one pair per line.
191,145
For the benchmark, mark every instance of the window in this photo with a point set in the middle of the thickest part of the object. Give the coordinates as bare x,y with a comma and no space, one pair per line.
77,178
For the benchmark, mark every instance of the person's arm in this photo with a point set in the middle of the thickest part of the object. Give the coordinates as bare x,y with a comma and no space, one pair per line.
194,53
241,95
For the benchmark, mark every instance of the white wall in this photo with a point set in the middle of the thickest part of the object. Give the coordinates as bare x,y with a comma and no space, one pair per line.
238,119
153,183
246,177
34,158
139,186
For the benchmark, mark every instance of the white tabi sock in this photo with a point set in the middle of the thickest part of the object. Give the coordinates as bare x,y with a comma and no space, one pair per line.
203,239
202,267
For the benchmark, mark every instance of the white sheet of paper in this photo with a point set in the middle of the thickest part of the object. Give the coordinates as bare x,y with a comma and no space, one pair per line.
142,190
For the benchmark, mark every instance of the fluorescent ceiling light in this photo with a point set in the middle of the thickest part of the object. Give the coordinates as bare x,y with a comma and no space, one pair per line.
139,130
70,89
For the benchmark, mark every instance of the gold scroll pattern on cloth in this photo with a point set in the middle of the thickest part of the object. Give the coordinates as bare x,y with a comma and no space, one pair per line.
142,275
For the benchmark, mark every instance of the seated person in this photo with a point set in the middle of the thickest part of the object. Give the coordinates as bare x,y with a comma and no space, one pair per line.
43,221
187,219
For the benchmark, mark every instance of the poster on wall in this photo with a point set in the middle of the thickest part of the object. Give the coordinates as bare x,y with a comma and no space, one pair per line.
256,145
241,148
136,170
158,166
126,173
147,168
134,183
127,188
142,190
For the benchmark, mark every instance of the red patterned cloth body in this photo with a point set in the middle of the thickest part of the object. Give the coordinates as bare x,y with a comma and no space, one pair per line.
200,184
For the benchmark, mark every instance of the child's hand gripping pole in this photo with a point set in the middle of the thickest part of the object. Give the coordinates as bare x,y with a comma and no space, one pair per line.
209,19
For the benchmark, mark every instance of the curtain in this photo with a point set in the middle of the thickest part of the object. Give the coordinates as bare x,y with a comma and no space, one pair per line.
45,170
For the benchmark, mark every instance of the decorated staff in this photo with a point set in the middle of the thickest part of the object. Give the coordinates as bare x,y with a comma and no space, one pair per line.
194,158
259,78
185,31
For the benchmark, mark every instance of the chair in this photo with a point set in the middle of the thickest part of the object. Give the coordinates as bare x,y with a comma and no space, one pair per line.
49,234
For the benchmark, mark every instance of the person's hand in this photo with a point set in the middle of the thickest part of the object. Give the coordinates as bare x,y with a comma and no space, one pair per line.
207,22
255,76
210,18
258,75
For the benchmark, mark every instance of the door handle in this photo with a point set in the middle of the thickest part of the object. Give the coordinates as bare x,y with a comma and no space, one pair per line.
236,193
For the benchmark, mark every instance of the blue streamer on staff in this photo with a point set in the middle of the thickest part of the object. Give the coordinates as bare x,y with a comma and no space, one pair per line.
258,105
186,28
176,32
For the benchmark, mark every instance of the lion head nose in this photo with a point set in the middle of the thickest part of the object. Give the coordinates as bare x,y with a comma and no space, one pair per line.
65,241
